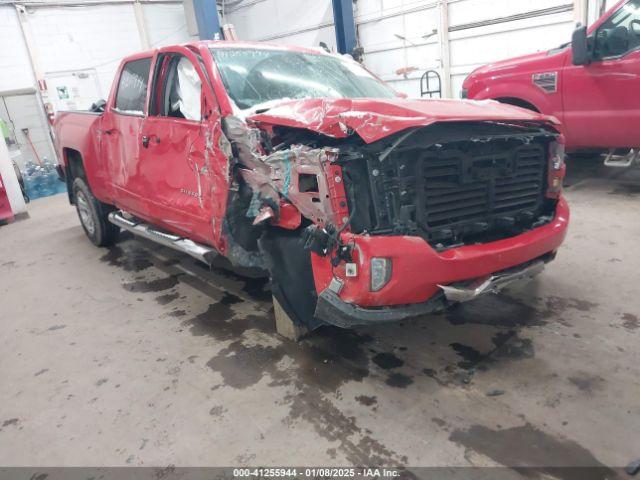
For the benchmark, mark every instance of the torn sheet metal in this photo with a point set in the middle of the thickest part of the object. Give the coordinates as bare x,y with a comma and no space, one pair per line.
281,179
275,178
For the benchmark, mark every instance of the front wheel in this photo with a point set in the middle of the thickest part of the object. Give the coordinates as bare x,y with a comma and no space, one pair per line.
93,216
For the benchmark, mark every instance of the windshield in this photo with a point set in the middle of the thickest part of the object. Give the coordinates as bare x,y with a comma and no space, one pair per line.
253,77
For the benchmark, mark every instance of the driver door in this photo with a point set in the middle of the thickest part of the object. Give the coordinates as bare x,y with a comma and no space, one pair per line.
186,172
601,100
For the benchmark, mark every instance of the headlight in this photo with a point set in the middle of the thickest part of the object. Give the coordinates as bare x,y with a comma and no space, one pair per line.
557,154
380,273
557,169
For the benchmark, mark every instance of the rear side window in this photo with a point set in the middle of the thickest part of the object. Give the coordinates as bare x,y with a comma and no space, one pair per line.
132,87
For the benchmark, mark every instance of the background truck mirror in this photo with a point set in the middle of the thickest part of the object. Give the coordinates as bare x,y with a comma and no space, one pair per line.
580,47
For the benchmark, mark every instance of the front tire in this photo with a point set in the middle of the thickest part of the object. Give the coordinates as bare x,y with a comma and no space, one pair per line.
93,216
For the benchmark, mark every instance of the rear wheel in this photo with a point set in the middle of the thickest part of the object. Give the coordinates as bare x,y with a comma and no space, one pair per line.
93,215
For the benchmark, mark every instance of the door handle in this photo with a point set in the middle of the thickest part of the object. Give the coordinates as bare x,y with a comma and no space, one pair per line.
147,138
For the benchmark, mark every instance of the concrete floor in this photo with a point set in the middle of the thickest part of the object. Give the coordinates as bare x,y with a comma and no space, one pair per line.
138,356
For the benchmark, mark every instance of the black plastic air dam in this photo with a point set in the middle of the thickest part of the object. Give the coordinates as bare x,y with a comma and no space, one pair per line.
332,309
291,275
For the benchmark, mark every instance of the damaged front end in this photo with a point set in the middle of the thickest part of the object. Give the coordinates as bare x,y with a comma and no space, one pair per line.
354,232
285,201
453,184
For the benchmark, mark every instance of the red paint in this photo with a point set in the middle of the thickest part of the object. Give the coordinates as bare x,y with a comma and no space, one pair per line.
179,179
290,217
597,104
373,119
418,269
6,214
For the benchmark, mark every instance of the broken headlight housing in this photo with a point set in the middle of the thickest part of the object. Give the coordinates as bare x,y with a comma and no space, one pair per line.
380,273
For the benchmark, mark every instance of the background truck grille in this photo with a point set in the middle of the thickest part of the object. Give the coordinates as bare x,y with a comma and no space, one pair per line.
486,183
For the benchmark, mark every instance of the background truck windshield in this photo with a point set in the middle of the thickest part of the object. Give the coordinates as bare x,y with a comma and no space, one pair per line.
253,76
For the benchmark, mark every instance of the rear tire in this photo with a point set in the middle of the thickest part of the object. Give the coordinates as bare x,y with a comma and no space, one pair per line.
93,215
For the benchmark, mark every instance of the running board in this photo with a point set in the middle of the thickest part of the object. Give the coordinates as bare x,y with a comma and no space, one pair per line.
198,251
622,161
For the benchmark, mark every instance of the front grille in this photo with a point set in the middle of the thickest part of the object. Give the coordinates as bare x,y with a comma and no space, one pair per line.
486,183
465,194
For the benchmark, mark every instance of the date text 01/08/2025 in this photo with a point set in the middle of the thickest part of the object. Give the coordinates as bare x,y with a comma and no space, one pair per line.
371,473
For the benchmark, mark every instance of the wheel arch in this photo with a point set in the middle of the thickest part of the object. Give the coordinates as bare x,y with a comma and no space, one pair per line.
74,169
518,102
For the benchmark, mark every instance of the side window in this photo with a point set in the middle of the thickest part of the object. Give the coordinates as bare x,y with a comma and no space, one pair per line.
620,34
132,87
177,88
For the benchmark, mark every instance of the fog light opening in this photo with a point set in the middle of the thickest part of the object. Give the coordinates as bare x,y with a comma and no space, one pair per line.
380,273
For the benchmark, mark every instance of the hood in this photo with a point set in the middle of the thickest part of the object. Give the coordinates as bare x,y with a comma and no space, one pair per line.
374,119
503,66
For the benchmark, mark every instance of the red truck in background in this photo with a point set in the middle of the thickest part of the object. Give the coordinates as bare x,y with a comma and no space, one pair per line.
591,85
363,207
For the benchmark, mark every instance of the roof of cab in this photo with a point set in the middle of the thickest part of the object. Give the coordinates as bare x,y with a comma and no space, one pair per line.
223,44
217,44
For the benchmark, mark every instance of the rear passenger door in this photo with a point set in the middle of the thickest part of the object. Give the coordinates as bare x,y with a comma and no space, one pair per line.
119,135
180,156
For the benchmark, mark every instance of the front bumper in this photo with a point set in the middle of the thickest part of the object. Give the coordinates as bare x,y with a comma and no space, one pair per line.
335,311
419,273
332,309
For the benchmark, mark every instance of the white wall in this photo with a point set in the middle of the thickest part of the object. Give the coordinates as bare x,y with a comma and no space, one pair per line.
23,111
77,47
96,37
70,42
166,24
392,35
382,22
393,32
75,38
294,22
474,47
15,69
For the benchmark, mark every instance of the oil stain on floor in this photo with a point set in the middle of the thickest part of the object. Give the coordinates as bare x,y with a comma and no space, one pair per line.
314,369
526,448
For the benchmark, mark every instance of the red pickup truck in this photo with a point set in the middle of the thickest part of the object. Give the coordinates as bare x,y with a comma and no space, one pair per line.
591,85
363,207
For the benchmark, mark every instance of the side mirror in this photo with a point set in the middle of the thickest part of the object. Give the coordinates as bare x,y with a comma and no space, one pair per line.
580,47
